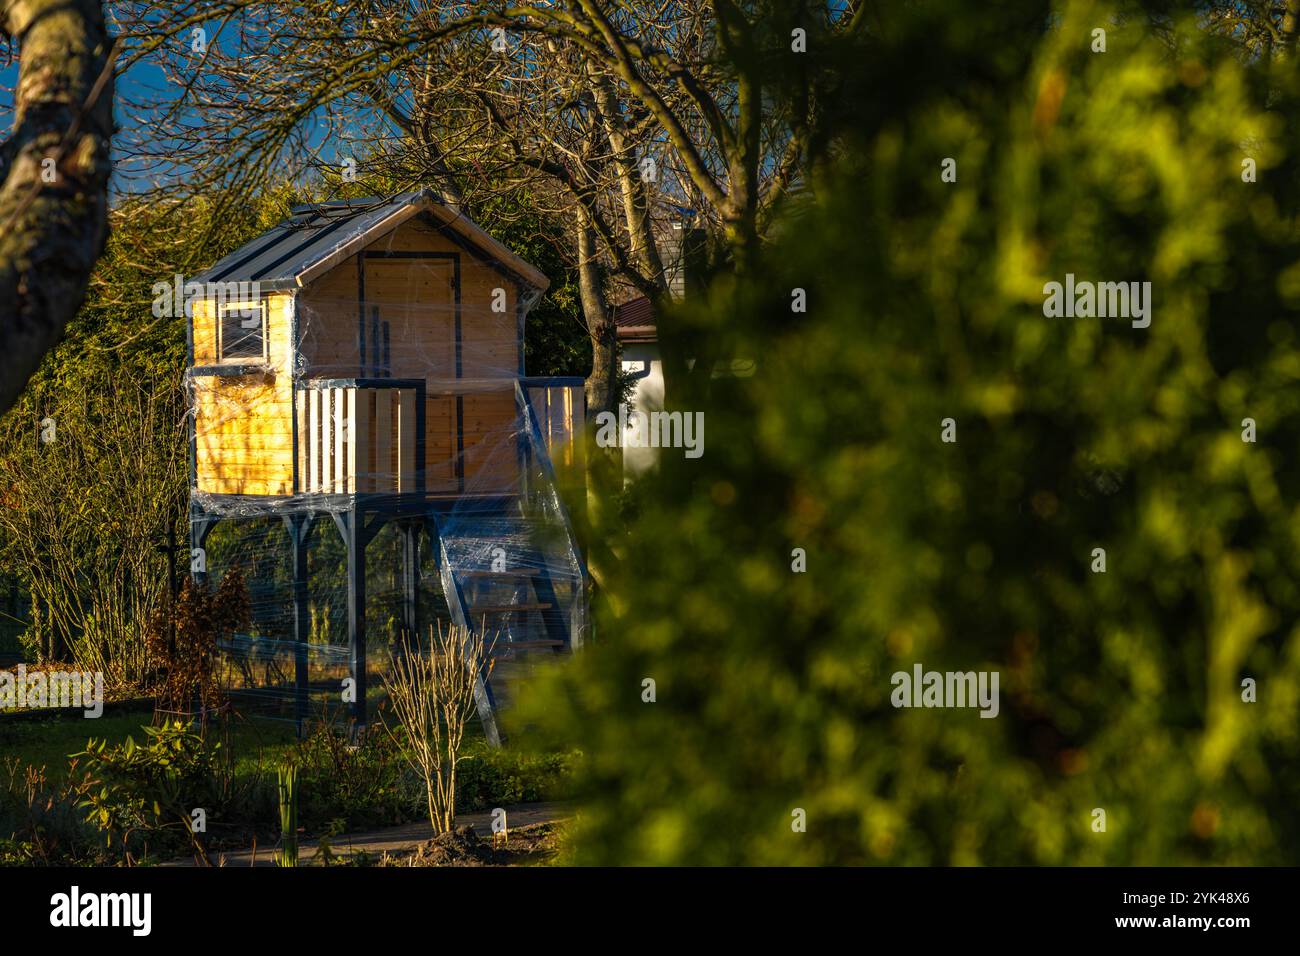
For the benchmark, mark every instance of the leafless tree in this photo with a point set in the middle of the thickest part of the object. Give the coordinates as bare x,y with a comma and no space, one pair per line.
611,117
432,696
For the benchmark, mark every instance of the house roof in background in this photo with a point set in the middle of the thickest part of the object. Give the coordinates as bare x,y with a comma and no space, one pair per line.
634,321
318,237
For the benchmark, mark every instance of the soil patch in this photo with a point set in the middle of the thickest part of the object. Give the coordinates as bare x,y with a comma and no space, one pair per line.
524,846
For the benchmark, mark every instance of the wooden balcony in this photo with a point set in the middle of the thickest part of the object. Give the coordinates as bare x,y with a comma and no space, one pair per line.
369,436
361,436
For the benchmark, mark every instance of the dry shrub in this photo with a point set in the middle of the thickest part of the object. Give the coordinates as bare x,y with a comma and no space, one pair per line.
432,697
184,659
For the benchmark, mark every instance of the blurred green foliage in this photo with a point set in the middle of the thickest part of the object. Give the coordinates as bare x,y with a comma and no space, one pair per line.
1119,691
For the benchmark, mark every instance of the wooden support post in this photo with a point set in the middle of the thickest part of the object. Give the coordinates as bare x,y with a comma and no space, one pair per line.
405,440
384,471
299,527
421,445
411,579
350,527
303,439
338,421
201,526
356,536
315,451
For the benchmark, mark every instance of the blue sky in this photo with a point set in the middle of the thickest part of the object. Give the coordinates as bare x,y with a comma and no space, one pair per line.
142,81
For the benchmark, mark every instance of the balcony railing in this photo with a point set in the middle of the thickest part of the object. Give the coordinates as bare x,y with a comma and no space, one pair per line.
367,436
359,436
558,411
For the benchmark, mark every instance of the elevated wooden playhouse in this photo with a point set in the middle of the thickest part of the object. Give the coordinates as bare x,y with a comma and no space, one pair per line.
362,364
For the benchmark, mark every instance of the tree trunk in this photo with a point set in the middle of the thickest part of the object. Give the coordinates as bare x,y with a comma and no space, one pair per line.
434,816
604,472
602,384
54,173
636,206
1290,25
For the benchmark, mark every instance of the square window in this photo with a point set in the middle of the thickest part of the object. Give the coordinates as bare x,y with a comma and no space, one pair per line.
243,330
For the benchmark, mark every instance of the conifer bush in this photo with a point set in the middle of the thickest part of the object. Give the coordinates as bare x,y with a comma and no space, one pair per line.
1121,690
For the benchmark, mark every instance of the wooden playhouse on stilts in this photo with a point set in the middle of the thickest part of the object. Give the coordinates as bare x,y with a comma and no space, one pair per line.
367,447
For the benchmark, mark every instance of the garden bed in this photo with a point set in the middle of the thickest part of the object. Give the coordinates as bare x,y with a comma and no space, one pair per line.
343,788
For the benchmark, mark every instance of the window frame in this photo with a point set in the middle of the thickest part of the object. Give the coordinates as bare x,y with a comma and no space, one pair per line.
221,309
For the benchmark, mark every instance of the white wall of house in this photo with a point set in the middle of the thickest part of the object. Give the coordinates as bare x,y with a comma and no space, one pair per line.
642,359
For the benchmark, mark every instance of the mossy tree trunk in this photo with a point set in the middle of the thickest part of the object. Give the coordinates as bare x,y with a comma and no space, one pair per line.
54,171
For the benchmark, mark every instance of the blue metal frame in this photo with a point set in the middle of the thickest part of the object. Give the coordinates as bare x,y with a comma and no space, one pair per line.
357,534
299,525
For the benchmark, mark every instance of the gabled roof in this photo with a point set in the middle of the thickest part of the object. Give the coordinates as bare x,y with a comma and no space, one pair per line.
318,237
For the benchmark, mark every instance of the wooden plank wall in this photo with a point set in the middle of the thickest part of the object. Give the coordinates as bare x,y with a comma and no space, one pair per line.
244,425
327,324
415,296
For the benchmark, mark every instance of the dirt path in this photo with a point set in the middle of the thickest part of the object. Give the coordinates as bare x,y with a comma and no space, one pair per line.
377,842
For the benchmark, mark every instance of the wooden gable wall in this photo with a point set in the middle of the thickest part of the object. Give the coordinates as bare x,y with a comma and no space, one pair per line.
413,276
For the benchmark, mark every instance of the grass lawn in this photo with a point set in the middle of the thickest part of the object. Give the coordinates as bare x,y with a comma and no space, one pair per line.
49,742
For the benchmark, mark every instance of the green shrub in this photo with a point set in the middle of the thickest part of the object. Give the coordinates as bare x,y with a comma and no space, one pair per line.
142,797
1122,690
491,778
367,784
41,818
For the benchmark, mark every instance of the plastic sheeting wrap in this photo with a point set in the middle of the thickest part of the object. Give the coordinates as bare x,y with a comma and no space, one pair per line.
359,398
